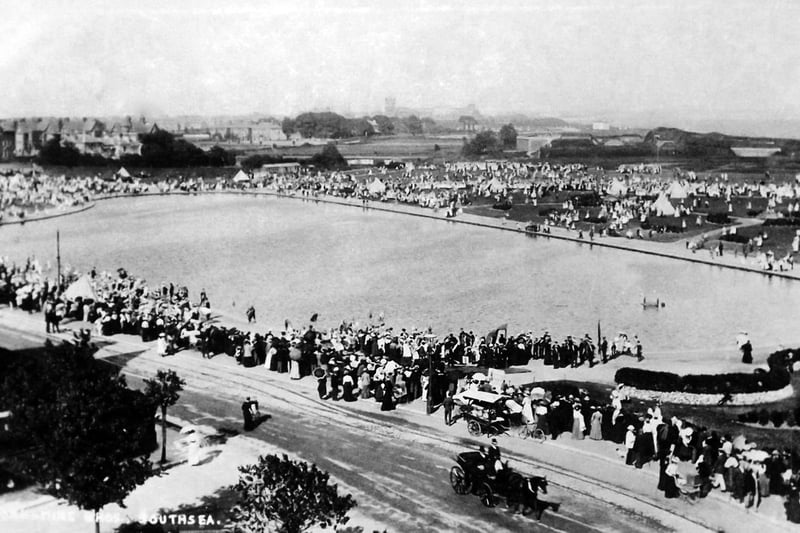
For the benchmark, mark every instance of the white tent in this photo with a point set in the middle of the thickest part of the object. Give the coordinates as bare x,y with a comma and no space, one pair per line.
495,185
617,188
241,176
376,187
663,207
82,287
677,191
123,173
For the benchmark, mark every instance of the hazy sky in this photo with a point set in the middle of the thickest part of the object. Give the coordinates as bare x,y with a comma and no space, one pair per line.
605,59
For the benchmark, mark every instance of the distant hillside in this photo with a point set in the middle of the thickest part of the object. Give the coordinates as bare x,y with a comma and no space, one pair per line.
712,144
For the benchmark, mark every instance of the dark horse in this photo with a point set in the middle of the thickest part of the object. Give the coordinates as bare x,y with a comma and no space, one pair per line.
524,491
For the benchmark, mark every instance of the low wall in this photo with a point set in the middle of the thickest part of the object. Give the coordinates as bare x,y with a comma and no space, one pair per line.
687,398
46,215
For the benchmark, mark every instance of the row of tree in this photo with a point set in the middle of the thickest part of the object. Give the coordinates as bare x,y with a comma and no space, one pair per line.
329,125
490,143
160,149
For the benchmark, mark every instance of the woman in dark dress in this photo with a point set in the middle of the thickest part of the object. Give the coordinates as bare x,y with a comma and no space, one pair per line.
347,388
387,402
670,487
322,387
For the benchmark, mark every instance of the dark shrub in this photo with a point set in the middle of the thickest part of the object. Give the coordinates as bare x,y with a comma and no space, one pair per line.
781,358
562,389
586,199
738,383
735,237
777,378
718,218
648,379
753,212
752,417
763,417
742,417
777,418
794,221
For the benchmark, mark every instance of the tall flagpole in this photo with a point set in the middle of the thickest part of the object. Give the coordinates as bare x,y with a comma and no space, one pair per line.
58,260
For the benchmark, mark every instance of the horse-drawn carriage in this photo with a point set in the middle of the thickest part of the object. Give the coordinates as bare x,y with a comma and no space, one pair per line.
475,474
487,413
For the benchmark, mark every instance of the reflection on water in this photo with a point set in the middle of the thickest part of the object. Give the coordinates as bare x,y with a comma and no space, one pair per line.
290,259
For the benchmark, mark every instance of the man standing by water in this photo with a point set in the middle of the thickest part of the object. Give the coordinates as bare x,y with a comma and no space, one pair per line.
251,314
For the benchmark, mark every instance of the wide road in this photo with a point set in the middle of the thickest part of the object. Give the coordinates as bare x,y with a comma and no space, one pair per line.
396,468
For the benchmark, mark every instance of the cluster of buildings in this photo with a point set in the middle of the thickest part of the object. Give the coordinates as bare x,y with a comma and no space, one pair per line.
26,137
113,138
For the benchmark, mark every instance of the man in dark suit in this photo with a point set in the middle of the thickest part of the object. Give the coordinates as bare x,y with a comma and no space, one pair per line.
247,414
493,452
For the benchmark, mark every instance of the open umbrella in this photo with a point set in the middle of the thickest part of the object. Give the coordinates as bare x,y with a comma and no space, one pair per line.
478,376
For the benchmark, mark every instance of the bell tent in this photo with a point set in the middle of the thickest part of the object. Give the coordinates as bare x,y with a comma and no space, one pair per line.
663,207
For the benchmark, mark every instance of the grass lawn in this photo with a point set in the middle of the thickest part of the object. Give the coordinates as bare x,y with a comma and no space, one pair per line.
779,238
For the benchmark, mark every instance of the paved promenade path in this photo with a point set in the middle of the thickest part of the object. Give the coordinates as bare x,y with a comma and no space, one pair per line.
396,464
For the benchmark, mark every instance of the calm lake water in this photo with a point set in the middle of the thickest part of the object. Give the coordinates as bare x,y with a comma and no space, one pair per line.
291,259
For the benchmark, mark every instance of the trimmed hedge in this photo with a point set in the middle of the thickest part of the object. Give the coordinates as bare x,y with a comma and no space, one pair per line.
735,237
793,221
718,218
738,383
762,416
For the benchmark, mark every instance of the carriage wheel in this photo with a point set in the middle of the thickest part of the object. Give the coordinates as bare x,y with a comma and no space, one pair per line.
485,495
539,435
459,480
474,428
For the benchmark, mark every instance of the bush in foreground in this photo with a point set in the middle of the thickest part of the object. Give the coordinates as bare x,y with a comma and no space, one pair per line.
279,494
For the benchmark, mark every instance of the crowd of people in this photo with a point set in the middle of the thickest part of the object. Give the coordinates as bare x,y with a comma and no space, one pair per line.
375,362
693,460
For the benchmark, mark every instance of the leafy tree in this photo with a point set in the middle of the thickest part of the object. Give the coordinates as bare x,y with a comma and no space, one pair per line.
360,127
55,153
322,125
508,136
329,158
385,124
485,142
429,125
164,391
288,126
278,494
86,431
219,157
413,124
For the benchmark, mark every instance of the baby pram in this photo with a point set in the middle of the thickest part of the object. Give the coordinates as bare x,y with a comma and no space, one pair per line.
686,479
